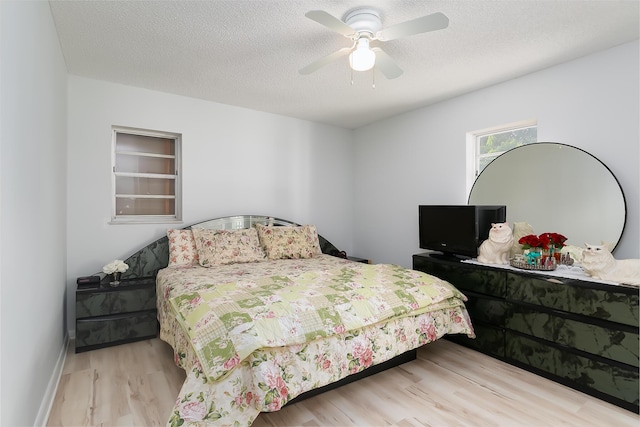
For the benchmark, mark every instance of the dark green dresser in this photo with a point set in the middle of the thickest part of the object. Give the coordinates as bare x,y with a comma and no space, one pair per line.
108,316
579,333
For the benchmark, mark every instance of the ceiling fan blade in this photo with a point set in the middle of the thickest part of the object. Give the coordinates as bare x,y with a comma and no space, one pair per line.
386,65
326,60
433,22
330,21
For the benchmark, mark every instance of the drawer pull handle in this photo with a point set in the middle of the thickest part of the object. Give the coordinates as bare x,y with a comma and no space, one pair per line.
555,281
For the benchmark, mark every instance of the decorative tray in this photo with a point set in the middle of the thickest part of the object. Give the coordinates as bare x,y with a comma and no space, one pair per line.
523,264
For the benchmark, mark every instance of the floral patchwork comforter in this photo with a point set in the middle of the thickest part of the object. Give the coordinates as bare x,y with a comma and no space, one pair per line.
255,339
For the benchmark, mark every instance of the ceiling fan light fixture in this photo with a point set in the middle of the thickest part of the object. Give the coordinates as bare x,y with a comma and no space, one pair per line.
362,25
362,58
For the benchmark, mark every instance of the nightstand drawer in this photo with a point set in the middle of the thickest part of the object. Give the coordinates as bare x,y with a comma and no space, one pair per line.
91,304
108,330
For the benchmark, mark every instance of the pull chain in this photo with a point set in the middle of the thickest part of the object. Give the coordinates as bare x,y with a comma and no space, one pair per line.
373,77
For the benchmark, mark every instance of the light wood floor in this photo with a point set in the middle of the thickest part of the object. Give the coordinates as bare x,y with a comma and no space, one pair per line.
448,385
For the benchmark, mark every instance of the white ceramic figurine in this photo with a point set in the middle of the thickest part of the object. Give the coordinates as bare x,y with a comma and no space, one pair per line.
599,263
495,250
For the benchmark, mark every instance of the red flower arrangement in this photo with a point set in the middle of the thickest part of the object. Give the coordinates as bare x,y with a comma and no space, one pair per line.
531,241
553,239
543,241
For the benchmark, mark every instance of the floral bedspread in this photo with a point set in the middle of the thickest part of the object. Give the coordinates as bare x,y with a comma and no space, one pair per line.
267,378
227,322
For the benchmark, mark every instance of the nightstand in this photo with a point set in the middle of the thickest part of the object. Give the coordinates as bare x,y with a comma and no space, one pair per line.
107,316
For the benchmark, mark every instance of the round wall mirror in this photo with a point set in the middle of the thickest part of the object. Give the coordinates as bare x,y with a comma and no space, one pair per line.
555,188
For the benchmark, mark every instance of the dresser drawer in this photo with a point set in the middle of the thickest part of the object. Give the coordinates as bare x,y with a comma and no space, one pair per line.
466,277
488,310
580,372
605,304
91,304
617,345
102,331
489,340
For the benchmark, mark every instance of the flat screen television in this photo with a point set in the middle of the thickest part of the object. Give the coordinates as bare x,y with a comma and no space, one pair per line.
457,230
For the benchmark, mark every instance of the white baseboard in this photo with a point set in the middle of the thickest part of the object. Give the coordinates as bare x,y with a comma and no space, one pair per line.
52,387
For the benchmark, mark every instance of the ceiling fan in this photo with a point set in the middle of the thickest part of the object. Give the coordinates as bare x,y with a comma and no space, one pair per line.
364,26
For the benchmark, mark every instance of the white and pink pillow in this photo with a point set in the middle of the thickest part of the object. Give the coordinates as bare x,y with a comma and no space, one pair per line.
182,248
289,242
216,247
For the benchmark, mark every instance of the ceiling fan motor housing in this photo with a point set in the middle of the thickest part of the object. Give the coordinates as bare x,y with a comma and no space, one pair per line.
364,21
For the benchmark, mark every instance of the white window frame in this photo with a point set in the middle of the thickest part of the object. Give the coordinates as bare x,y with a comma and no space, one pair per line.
472,155
147,219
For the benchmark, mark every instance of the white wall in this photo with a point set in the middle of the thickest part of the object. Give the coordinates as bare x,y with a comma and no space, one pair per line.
32,211
235,161
55,171
419,157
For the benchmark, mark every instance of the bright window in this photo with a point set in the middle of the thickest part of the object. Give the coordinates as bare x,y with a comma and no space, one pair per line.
146,176
486,145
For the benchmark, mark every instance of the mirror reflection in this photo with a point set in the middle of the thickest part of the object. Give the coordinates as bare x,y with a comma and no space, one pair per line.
240,221
555,188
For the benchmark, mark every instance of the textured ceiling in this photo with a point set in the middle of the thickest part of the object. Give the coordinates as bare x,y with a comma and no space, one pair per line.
248,52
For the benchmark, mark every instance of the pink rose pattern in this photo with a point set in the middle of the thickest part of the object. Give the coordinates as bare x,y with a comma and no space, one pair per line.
232,363
289,242
182,248
219,247
193,411
282,375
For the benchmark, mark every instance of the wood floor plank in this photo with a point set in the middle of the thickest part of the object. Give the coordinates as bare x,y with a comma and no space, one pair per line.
73,404
507,380
445,408
448,385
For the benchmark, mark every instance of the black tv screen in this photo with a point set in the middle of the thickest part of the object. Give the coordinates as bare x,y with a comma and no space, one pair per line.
457,230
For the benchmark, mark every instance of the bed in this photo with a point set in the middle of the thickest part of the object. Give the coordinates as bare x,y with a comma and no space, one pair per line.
261,312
